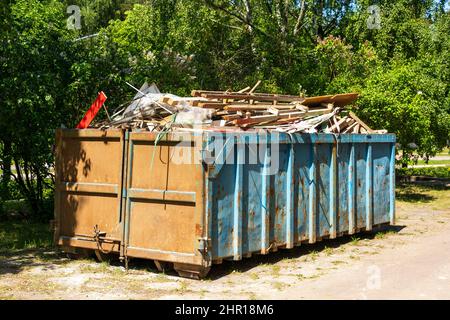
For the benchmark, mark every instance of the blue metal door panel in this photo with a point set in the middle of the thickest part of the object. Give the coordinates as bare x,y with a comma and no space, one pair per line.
324,186
303,155
361,184
381,167
324,189
343,189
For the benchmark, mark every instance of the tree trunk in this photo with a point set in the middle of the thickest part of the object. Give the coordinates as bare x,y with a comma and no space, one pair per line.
6,167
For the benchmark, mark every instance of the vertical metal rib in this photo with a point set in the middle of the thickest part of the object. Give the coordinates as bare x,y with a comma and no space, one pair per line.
238,197
351,191
392,185
313,190
265,202
369,188
333,192
208,198
290,199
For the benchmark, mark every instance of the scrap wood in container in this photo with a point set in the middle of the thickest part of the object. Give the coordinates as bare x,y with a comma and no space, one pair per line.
243,110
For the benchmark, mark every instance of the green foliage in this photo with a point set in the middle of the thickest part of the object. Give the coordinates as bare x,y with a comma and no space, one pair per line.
403,100
19,235
48,79
436,172
36,56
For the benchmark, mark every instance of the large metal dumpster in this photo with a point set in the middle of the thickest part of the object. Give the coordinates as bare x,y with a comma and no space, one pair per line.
195,198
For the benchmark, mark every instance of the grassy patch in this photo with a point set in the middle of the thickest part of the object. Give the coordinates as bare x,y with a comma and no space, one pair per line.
279,285
355,241
252,296
383,234
18,208
162,278
444,152
19,235
409,195
184,286
276,270
431,162
313,255
328,251
254,276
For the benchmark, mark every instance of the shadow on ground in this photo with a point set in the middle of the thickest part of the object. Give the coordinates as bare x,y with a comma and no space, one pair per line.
16,261
417,192
227,267
50,259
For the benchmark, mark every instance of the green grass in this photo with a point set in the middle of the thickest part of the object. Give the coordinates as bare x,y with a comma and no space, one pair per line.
411,195
328,251
14,207
431,162
254,276
445,152
336,262
279,285
383,234
184,286
19,235
355,241
276,270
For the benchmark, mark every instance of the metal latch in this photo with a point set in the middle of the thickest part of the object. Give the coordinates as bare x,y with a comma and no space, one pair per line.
203,244
98,233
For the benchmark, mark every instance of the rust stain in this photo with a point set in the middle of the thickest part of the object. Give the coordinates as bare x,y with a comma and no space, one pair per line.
198,230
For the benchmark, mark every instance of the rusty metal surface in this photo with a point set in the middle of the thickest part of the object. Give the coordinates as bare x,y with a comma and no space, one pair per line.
129,188
88,186
325,186
150,205
164,204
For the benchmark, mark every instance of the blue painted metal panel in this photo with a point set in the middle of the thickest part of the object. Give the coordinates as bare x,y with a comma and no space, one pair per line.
324,186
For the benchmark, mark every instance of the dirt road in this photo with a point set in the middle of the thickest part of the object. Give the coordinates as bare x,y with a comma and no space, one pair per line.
408,261
418,270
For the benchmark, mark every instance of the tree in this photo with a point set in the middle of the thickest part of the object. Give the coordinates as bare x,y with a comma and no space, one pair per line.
35,70
48,76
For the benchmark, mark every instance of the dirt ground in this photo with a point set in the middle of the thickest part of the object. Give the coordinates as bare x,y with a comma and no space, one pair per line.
408,261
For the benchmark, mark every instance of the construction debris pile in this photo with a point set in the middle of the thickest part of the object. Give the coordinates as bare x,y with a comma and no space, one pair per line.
219,110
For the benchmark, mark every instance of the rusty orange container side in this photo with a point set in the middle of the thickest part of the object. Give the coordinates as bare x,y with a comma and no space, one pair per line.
121,192
88,188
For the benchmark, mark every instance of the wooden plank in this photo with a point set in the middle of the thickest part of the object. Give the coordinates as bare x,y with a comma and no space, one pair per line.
232,117
316,112
254,120
250,97
255,86
200,93
350,127
288,120
244,90
244,107
337,126
355,117
339,100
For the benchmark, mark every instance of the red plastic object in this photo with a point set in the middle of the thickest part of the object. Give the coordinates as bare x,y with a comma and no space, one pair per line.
92,112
